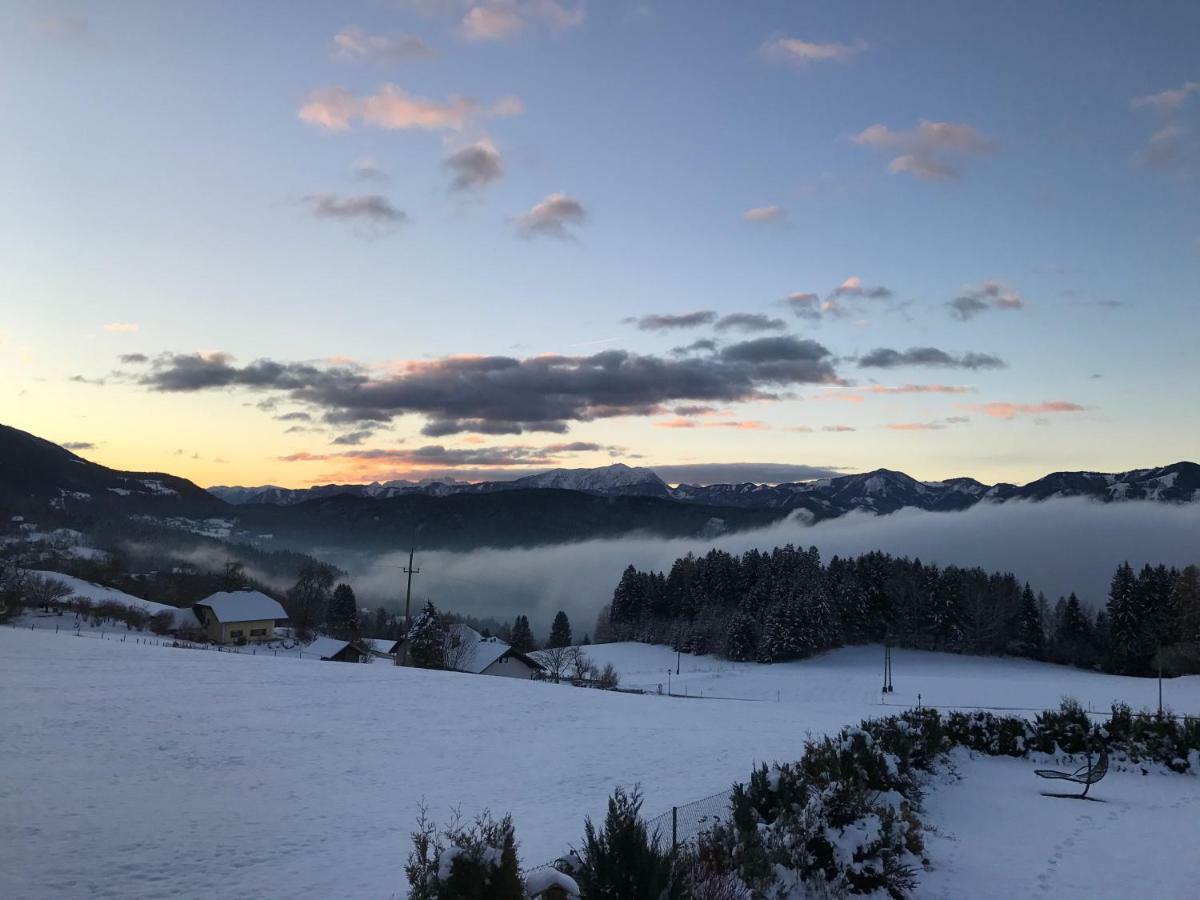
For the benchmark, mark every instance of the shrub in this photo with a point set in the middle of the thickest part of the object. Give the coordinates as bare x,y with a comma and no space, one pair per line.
475,861
1067,729
161,622
607,677
623,860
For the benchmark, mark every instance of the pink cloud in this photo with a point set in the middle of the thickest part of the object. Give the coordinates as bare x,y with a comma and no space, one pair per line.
1003,410
394,109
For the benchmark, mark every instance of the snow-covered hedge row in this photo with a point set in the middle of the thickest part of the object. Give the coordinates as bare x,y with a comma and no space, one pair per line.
843,819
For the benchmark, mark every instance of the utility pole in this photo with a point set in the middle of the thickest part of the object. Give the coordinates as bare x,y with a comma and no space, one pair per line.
410,572
676,662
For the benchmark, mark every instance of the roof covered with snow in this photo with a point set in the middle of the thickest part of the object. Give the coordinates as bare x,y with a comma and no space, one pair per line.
380,645
469,651
325,647
243,606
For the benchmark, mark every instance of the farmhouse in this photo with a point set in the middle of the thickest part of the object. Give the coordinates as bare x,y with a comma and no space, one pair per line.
469,651
235,616
335,650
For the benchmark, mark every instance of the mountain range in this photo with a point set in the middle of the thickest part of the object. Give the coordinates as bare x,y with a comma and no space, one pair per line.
880,491
43,480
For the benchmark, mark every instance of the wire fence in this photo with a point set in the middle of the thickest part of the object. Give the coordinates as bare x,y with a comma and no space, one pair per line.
1102,713
128,636
681,825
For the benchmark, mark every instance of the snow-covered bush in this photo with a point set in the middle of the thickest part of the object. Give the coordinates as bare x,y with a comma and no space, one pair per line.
841,819
1067,728
623,859
465,861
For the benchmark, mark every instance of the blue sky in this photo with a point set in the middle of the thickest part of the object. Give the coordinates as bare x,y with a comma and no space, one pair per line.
166,170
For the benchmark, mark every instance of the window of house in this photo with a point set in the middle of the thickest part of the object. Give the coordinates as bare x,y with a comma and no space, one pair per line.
257,632
236,633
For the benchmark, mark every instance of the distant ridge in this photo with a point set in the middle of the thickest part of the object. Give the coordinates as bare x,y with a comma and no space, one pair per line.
42,480
881,491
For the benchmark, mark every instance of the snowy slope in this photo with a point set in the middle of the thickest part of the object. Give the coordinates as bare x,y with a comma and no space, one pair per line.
304,778
98,593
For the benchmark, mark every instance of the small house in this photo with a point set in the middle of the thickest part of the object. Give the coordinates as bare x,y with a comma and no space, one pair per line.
384,648
229,617
335,650
469,651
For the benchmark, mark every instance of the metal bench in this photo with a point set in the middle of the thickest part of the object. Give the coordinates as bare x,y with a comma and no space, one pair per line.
1086,775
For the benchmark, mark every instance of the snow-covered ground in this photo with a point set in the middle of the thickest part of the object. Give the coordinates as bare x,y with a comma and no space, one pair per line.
133,770
995,837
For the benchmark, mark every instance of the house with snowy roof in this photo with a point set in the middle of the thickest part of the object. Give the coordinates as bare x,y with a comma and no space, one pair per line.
335,650
469,651
229,617
381,647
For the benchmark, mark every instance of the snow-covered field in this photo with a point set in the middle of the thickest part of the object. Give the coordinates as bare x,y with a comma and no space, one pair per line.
142,771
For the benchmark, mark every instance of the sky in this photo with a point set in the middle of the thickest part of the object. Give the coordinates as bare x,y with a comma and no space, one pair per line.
295,243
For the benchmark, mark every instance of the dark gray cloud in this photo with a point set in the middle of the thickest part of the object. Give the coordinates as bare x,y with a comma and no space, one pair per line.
372,211
671,321
887,358
295,417
475,166
460,393
444,427
353,438
439,455
843,300
706,345
133,358
78,445
804,304
853,287
552,217
991,295
749,322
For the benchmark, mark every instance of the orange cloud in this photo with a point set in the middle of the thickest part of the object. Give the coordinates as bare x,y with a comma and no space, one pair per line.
1002,410
919,389
914,426
121,327
742,424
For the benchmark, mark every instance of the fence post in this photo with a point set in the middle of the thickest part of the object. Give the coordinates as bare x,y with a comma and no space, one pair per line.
674,829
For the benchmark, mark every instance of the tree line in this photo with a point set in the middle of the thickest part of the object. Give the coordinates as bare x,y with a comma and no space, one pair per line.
787,604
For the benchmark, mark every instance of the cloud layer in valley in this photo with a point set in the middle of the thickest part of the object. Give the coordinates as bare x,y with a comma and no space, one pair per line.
1058,546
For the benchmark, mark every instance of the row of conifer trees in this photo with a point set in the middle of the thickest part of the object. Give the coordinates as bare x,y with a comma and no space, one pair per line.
787,604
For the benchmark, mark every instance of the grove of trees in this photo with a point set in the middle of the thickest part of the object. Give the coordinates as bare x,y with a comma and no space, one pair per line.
786,604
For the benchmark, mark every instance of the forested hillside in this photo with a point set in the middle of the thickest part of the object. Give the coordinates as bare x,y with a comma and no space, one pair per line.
786,604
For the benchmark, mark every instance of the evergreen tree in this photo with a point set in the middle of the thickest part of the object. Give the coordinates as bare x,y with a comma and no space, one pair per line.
342,616
1030,638
740,637
1126,622
560,631
623,861
427,639
522,636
